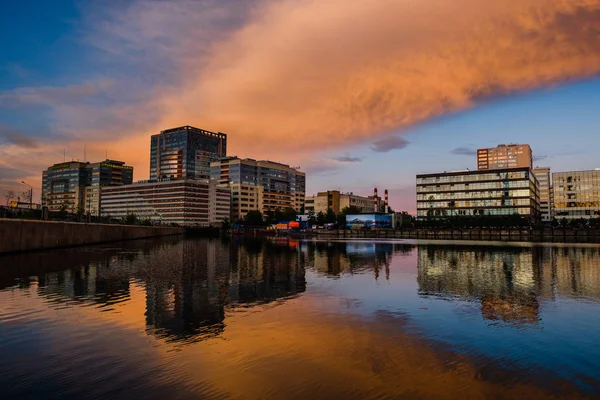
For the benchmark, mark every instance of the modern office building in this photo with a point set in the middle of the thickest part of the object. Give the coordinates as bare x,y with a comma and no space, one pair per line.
543,176
505,156
260,185
337,201
478,193
576,194
185,152
65,185
191,202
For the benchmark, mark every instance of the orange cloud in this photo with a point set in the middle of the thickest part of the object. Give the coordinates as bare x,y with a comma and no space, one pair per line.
287,78
330,73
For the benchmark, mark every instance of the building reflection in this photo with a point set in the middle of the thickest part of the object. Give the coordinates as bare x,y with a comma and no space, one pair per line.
189,285
508,282
336,258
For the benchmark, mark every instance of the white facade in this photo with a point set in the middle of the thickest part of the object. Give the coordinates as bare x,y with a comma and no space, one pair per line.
194,202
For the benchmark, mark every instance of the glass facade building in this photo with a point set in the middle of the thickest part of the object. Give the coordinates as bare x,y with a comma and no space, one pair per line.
260,185
64,185
185,152
478,193
576,194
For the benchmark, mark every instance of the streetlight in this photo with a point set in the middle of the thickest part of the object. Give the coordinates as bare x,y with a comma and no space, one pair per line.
30,194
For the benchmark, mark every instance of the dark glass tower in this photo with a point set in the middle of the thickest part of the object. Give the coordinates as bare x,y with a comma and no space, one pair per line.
185,152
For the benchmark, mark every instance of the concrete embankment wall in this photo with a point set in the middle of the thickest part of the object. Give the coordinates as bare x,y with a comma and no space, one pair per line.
18,235
564,235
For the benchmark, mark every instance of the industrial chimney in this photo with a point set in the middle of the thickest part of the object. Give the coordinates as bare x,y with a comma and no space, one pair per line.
387,205
375,200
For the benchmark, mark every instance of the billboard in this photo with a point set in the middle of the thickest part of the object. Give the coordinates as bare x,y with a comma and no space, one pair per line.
357,221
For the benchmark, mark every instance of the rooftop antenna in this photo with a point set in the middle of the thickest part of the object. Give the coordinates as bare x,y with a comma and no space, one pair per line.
84,155
64,155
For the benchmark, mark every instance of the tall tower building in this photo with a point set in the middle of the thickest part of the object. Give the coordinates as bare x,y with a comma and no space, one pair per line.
185,152
543,176
505,156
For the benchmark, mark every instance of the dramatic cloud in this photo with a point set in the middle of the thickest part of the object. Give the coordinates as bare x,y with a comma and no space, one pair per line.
9,135
334,72
284,78
464,151
53,96
389,143
348,159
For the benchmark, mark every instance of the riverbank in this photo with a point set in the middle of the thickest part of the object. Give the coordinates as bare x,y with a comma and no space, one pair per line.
19,235
560,235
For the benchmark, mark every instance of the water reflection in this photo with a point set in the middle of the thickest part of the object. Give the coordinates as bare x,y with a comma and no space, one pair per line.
508,282
337,258
189,285
282,318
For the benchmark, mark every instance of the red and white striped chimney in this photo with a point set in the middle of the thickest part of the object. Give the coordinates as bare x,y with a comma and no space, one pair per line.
387,205
375,200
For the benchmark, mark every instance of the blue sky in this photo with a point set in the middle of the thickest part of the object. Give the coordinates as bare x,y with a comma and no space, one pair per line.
108,74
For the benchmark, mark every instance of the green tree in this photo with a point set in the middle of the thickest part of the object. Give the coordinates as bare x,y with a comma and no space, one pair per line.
341,221
288,214
351,210
254,218
321,219
330,217
131,219
225,224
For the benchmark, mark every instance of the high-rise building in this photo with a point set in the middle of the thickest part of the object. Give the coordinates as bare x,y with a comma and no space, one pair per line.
476,193
266,186
73,186
185,152
543,176
505,156
337,201
191,202
576,194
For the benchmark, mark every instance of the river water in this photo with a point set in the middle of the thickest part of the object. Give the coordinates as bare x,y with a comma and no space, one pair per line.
283,319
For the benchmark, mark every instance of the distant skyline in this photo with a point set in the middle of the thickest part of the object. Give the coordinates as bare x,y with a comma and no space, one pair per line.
358,95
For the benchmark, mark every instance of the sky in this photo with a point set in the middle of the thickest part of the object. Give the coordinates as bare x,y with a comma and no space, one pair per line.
359,94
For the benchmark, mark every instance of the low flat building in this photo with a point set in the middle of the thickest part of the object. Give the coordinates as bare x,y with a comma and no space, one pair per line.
576,194
192,202
337,201
478,193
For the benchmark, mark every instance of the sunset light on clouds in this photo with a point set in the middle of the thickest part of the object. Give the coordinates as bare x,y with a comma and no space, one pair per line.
329,85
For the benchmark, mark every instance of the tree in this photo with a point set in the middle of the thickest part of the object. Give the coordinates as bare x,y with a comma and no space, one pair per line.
254,218
9,195
312,219
225,224
289,214
131,218
351,210
341,221
321,218
330,217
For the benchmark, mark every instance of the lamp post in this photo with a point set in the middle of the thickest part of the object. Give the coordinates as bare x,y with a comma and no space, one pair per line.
30,194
